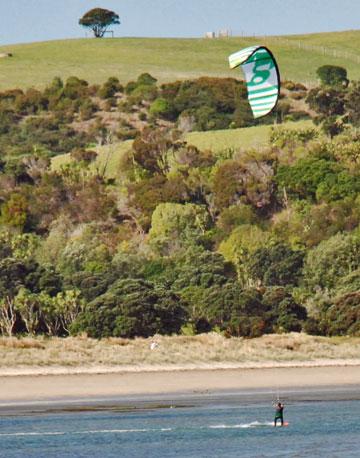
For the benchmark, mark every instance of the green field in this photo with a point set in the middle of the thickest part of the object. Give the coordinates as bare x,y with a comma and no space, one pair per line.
216,141
247,137
107,162
299,56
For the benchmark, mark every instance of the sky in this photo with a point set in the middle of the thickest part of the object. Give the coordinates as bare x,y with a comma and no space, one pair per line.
38,20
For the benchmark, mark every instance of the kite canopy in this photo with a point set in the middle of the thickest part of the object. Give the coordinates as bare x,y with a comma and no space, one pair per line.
262,78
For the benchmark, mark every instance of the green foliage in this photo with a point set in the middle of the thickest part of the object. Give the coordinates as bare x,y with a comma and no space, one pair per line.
246,181
234,216
240,246
276,265
18,246
207,103
352,102
289,315
160,107
332,75
290,138
332,126
98,20
342,317
86,109
250,313
16,274
319,179
110,88
131,308
145,79
75,88
152,149
14,211
304,225
84,156
331,260
326,101
174,225
159,235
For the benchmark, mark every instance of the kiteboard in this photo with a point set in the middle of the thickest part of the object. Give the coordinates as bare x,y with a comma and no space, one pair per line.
286,423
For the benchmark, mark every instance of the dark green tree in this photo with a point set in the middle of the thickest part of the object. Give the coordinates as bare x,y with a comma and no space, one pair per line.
317,179
132,308
284,312
98,20
110,88
352,104
332,75
327,101
276,265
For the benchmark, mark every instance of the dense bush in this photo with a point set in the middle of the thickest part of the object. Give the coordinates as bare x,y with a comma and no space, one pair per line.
276,265
332,75
132,308
158,234
318,179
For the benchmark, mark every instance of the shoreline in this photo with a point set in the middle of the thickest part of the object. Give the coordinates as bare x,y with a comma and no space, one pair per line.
34,371
44,393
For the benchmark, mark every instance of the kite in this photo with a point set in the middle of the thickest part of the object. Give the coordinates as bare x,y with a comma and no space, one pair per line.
262,78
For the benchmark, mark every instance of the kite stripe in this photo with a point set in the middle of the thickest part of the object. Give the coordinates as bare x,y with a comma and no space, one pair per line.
259,64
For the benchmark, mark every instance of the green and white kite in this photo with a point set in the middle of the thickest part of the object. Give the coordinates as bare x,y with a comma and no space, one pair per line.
262,78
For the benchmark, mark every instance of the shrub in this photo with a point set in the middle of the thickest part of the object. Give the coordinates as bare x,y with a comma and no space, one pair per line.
110,88
331,260
75,88
160,107
332,75
132,308
276,265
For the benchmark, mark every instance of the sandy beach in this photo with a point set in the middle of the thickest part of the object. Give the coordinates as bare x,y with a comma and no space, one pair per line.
87,372
89,389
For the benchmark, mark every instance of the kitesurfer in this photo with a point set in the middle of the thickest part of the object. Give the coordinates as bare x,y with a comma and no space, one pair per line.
279,413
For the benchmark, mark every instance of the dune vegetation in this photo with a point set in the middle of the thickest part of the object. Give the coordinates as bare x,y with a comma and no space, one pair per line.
176,352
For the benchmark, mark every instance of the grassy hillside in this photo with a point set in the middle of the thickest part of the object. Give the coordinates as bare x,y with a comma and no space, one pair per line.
168,59
216,141
108,159
248,137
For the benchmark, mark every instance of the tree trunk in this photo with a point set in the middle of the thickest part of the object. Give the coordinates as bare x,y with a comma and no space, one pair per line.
7,316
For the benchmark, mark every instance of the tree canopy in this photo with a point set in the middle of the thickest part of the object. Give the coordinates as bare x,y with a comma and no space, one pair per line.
159,235
98,20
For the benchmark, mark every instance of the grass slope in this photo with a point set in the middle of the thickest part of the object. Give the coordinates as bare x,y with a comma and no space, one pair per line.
299,56
107,162
248,137
216,141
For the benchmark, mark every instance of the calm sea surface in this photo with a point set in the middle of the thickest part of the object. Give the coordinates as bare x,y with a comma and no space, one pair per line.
316,429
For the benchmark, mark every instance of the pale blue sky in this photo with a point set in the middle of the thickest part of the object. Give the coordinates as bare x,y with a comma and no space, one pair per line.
37,20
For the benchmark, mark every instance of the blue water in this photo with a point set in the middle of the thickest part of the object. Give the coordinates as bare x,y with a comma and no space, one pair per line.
316,429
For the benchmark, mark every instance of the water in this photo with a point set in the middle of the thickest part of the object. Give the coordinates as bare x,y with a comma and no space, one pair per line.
319,429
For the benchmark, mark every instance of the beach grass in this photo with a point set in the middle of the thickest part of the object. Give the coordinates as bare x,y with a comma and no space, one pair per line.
169,59
176,352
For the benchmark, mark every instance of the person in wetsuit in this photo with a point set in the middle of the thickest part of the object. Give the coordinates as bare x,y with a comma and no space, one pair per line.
279,414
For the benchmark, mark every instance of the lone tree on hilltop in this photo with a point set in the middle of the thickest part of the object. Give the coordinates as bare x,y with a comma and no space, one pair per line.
98,20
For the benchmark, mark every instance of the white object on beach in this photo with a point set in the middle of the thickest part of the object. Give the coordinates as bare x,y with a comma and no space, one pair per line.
153,345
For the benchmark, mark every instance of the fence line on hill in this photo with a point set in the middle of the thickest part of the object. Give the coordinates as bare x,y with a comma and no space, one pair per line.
324,50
